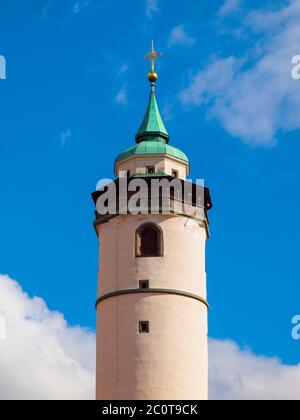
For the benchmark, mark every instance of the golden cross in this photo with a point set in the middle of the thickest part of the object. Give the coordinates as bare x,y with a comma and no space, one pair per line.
153,56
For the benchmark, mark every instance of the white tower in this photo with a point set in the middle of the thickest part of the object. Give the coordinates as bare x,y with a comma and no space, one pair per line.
151,306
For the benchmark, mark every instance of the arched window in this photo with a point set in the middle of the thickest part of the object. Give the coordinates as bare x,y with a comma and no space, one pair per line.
149,241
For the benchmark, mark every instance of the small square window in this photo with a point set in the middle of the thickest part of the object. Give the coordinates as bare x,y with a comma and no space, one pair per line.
144,327
150,169
144,284
175,173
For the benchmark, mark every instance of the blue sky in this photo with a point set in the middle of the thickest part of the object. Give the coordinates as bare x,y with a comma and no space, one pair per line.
75,94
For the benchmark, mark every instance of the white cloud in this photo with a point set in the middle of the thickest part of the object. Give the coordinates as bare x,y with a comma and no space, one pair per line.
46,10
168,110
80,5
123,69
121,97
237,374
229,7
255,97
65,136
151,8
2,67
42,357
76,8
178,36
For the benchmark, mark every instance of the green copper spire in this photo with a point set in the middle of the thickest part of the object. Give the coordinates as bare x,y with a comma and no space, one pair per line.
152,125
152,137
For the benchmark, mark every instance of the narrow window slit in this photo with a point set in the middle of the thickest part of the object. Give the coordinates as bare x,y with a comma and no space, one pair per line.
144,327
144,284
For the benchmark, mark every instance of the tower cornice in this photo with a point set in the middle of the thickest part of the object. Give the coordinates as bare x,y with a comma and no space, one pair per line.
174,292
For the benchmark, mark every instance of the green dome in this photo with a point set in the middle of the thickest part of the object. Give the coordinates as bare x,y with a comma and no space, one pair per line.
155,146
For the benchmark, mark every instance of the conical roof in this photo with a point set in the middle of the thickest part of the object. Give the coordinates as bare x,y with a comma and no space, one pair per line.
152,125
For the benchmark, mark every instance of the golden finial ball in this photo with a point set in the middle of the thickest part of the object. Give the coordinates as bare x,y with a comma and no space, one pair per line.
152,77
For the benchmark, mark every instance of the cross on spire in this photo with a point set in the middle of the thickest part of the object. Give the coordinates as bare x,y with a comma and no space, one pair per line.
152,76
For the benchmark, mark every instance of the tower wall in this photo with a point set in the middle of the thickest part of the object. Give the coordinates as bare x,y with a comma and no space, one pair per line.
171,361
163,164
